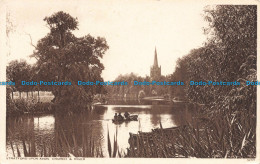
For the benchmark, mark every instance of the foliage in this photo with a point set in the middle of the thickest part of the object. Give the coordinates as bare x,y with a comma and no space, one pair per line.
61,56
133,91
229,55
224,138
22,106
62,145
18,71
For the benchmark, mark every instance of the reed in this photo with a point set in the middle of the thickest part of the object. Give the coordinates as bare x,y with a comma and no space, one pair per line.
23,106
113,152
225,136
62,145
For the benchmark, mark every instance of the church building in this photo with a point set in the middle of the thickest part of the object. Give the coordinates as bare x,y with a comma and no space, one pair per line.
155,70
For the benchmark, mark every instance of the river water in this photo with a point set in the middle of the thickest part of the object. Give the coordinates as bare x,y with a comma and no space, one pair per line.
41,131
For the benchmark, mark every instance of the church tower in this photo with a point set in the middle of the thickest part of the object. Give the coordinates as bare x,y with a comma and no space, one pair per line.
155,70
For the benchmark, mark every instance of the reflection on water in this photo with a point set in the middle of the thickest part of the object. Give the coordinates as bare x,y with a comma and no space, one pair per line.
39,131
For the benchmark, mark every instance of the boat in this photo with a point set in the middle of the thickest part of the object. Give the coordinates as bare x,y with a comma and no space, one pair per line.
156,100
177,100
131,118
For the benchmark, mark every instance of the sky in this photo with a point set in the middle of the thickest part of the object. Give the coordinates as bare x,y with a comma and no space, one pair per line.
132,28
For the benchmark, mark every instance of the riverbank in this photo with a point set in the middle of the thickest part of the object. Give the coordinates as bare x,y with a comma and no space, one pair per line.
196,133
224,136
22,106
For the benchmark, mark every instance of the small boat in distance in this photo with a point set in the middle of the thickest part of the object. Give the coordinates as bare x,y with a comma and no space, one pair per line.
130,118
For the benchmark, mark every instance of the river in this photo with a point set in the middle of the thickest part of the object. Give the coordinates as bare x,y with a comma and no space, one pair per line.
39,132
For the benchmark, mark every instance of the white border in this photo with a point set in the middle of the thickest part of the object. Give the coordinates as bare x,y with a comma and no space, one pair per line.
3,160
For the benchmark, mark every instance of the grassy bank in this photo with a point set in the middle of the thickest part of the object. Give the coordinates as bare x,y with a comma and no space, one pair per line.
22,106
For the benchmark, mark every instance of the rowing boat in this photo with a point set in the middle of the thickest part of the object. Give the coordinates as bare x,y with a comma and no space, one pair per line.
131,118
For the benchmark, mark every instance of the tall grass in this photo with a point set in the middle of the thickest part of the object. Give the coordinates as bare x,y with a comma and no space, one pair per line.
63,148
78,141
22,106
225,136
113,152
60,147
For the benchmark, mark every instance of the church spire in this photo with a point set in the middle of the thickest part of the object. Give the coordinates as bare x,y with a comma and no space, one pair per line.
155,64
155,70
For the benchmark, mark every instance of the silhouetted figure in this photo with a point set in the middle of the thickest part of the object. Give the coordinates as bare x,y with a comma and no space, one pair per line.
115,117
126,115
120,117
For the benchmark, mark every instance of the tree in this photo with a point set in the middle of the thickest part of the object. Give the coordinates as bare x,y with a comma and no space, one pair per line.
17,72
228,55
234,33
65,57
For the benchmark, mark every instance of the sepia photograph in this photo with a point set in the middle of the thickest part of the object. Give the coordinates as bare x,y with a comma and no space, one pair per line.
129,79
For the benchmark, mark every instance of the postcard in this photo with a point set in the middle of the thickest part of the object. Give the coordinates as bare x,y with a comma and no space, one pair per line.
122,81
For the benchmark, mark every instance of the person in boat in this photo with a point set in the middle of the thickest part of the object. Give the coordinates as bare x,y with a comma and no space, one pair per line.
120,117
127,115
115,117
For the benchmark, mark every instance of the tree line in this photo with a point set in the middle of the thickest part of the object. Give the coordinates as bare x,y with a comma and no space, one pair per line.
228,55
137,91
